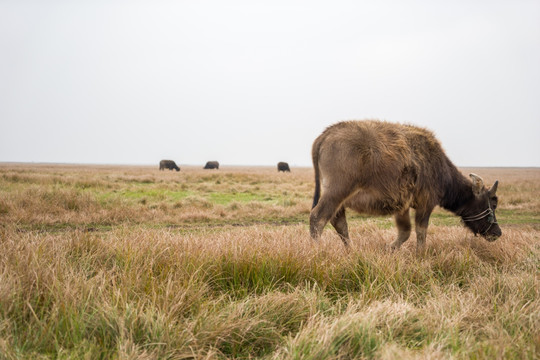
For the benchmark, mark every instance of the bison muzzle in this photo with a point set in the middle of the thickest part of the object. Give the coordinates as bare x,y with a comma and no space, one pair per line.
381,168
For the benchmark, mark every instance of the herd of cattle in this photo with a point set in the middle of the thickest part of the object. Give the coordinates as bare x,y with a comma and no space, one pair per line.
381,168
171,165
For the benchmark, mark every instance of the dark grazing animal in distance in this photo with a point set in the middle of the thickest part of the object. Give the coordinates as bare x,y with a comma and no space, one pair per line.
382,168
283,166
168,164
211,165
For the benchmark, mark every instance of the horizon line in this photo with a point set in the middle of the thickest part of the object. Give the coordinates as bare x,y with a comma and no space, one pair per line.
226,165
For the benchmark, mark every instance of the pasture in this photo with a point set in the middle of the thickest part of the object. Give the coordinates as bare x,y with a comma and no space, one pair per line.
119,262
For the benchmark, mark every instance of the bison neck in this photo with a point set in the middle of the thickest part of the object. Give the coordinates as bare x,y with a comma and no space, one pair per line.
457,191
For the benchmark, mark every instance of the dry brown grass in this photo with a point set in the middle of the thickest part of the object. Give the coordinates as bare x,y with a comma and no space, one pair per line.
49,195
130,262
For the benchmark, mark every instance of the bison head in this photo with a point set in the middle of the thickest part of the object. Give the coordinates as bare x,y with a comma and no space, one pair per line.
479,214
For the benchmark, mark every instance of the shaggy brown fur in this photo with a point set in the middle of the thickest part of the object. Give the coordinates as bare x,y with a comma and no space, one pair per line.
382,168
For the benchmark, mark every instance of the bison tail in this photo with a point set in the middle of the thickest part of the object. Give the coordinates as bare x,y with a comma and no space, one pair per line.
317,194
315,157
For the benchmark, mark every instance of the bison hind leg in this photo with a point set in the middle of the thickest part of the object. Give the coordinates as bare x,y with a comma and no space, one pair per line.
323,212
339,222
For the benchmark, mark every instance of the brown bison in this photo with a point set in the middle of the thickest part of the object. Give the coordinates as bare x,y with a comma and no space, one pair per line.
382,168
283,166
211,165
168,164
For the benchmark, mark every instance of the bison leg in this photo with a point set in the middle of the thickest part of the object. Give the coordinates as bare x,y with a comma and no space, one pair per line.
322,213
421,220
403,223
339,222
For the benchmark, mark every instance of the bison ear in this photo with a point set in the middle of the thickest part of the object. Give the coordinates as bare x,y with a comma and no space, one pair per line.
478,184
493,189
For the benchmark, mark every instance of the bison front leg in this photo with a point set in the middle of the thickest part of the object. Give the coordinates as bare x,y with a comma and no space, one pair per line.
421,220
403,223
339,222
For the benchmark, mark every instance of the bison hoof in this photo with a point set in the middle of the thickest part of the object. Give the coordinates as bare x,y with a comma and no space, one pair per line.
421,250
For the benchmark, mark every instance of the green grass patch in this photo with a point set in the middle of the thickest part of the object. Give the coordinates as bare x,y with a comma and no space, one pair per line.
217,198
518,217
155,194
141,195
225,198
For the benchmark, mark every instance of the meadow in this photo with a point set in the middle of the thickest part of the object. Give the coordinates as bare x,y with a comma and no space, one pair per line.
126,262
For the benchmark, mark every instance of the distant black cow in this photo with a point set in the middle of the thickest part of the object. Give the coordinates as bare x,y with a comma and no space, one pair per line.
211,165
283,166
168,164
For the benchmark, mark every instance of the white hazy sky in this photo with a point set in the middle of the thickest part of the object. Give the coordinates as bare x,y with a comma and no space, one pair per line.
255,82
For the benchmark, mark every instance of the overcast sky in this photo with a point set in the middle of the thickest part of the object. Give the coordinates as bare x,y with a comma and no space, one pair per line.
255,82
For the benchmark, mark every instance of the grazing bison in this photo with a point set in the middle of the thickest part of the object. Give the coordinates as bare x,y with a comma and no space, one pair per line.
168,164
382,168
283,166
211,165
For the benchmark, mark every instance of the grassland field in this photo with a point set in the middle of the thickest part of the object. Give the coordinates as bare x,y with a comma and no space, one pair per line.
129,262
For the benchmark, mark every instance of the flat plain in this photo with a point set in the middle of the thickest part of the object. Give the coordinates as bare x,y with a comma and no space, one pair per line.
129,262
